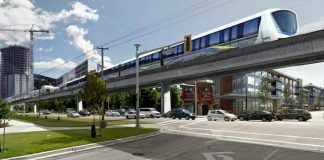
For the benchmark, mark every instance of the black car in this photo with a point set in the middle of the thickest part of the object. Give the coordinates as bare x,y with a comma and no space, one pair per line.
182,113
46,112
257,115
167,114
299,114
84,113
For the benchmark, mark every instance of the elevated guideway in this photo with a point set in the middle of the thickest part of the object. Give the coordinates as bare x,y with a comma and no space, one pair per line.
298,50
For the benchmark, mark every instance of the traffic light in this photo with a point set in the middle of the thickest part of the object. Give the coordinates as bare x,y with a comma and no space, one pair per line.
187,44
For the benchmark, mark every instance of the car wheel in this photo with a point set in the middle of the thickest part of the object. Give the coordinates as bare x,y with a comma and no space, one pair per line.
179,117
300,118
127,117
164,116
187,117
151,116
264,119
209,118
241,119
193,118
226,119
277,118
173,117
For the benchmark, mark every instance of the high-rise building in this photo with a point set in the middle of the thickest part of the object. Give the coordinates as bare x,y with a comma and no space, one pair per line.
15,71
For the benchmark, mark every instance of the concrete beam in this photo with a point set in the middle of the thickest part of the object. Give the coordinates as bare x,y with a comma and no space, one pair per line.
165,97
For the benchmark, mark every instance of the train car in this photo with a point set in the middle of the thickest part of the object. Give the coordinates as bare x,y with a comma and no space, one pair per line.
266,26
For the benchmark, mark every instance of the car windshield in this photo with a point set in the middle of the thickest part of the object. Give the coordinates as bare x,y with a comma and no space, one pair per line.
185,111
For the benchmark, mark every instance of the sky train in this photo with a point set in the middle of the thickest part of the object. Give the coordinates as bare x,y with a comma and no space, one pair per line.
265,26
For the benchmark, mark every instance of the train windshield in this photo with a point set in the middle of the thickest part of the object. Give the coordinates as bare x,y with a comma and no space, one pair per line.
286,21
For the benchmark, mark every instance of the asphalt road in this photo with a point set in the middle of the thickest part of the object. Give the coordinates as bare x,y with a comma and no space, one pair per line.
202,139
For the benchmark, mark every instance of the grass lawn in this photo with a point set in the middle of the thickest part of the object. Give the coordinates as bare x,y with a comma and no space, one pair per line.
52,121
18,144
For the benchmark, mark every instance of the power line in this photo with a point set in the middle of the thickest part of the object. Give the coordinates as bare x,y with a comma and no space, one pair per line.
157,23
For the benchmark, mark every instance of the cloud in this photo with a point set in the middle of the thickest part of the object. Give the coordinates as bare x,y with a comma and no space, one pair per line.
21,14
40,49
77,36
58,62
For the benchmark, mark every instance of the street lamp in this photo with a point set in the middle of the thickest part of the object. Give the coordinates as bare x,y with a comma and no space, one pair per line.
137,85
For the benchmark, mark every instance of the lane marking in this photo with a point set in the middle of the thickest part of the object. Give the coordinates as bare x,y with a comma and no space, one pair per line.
263,134
210,155
318,148
271,154
169,122
182,126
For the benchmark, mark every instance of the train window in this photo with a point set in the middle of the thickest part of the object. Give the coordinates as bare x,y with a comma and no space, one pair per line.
156,56
286,21
251,27
195,44
234,33
240,30
214,39
203,43
227,35
180,49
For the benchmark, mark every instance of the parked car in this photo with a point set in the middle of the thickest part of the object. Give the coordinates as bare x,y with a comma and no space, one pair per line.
182,113
121,111
73,114
132,114
299,114
257,115
112,113
167,114
220,115
84,113
46,112
150,112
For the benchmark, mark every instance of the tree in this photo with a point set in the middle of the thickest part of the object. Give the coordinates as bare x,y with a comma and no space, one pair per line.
176,100
93,93
264,92
4,114
149,98
287,95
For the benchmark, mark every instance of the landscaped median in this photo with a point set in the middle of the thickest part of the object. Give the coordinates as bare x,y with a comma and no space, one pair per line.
52,121
18,144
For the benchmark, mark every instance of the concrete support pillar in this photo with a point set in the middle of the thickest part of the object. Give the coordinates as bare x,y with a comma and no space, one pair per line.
165,98
80,106
35,109
11,108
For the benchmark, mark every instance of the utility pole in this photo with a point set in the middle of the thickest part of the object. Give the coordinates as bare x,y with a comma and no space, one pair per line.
102,76
137,85
102,59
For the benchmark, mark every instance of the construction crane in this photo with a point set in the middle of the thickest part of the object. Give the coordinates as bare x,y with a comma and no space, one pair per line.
31,49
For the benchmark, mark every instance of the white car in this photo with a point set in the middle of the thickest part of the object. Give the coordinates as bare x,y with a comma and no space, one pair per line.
150,112
112,113
132,114
220,115
73,114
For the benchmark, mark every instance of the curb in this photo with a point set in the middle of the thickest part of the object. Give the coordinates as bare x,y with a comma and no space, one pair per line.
81,148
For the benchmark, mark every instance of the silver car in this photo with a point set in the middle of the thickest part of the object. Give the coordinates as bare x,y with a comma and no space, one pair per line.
112,113
73,114
132,114
220,115
150,112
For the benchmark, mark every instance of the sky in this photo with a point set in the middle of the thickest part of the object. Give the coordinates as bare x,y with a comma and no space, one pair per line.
78,27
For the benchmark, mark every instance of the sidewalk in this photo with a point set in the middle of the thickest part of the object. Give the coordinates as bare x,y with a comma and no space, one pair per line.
20,127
